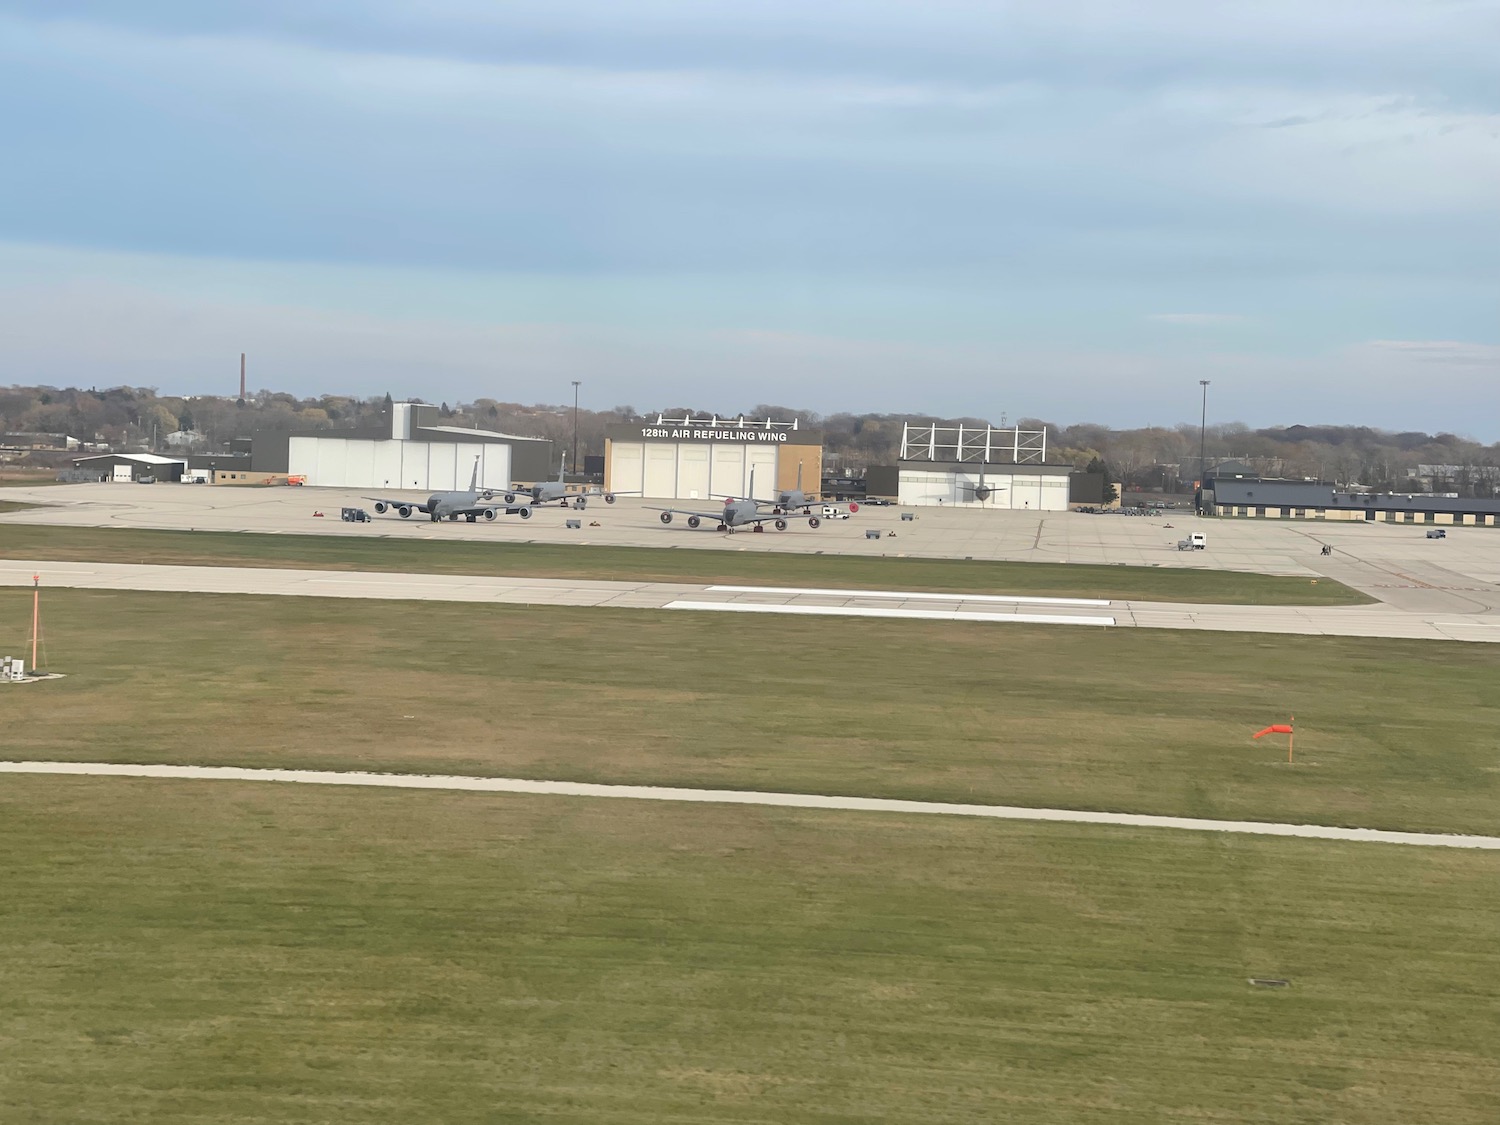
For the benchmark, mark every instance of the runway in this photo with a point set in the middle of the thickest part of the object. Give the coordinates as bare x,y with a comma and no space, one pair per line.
1382,620
750,797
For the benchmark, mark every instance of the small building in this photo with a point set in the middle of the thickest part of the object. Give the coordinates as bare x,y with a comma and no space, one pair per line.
980,467
691,458
1314,500
414,452
127,467
27,441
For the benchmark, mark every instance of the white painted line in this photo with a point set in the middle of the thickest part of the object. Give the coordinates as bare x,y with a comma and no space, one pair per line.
1016,599
750,797
907,614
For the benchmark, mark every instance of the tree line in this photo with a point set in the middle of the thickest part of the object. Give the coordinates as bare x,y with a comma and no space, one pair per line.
1154,457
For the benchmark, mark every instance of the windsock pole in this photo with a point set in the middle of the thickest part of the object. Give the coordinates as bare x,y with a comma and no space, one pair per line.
1290,736
36,616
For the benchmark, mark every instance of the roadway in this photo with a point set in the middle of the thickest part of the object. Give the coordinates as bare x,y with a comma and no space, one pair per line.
748,797
1380,620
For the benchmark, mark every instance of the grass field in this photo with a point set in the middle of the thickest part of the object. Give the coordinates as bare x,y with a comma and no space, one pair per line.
205,954
1392,734
15,506
323,552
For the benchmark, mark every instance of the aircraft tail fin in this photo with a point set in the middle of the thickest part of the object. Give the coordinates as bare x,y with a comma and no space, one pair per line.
562,469
474,480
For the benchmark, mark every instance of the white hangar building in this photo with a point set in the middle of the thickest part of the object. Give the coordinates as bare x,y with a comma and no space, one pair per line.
416,453
980,467
701,458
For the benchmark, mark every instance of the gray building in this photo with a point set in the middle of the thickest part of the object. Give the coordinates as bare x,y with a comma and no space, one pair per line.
980,467
1278,499
414,452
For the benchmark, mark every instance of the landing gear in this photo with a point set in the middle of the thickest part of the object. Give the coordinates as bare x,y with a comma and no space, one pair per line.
452,517
433,516
759,527
725,527
471,519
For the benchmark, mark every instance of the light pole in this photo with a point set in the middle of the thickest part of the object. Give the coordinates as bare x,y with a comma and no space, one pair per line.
1202,444
575,425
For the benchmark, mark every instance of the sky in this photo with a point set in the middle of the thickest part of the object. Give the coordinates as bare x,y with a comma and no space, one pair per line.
1072,211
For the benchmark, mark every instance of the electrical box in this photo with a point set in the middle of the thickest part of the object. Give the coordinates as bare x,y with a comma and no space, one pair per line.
12,668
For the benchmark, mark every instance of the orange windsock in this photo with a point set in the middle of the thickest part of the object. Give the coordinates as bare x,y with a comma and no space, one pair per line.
1279,728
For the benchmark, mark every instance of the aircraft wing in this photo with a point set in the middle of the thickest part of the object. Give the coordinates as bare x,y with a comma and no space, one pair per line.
770,516
717,517
388,502
482,508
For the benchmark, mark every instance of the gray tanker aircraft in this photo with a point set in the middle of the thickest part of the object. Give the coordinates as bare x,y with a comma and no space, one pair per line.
453,504
790,499
735,513
546,491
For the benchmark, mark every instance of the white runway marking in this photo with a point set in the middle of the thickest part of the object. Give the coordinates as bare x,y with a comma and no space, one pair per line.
908,614
741,797
1013,599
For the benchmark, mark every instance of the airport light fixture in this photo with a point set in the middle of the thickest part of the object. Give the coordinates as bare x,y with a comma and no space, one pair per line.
575,425
1202,443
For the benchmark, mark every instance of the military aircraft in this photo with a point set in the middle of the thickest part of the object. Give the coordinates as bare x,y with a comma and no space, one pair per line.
735,513
468,504
546,491
980,491
789,499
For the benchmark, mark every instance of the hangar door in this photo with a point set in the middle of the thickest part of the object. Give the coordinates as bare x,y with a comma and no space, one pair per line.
761,464
661,470
692,472
626,466
728,471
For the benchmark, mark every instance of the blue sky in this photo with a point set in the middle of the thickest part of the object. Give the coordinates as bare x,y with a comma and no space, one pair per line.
1071,211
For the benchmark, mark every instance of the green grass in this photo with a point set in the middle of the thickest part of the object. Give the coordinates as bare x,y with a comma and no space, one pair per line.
647,564
189,953
1391,734
15,506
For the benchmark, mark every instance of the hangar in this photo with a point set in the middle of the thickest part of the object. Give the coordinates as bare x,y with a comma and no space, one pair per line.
132,466
416,452
691,458
980,467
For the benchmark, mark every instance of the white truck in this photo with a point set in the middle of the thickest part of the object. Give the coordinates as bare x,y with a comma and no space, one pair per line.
1197,541
832,513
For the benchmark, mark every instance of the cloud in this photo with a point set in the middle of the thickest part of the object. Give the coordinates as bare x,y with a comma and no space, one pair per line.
935,206
1459,352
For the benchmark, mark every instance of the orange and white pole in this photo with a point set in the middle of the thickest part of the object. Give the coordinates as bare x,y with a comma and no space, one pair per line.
1290,737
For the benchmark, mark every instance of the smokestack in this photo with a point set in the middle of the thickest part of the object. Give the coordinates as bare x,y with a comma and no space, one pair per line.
242,374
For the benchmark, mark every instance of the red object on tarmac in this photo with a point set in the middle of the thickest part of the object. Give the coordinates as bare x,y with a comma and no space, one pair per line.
1279,728
853,507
